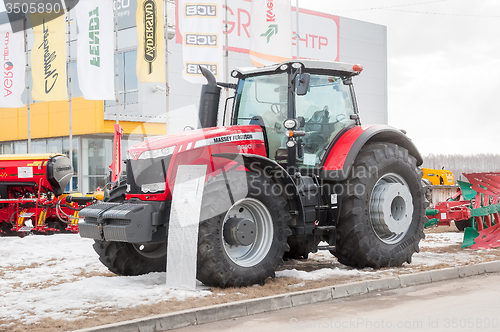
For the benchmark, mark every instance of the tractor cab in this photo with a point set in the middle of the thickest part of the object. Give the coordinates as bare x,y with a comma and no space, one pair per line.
302,107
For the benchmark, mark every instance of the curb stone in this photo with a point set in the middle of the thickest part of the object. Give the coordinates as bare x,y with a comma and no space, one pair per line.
444,274
383,284
414,279
352,288
243,308
471,270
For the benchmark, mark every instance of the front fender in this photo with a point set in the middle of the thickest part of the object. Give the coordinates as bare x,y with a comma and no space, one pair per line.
344,151
275,173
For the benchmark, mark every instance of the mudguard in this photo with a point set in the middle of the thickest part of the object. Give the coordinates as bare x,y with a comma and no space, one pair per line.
275,173
343,152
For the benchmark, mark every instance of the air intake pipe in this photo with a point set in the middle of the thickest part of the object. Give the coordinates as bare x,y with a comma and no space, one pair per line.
209,100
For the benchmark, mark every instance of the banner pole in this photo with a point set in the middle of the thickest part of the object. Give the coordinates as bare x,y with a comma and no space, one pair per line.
226,56
297,36
117,81
167,86
70,99
27,82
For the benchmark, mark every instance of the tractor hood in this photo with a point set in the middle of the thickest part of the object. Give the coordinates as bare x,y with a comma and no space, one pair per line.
193,139
152,165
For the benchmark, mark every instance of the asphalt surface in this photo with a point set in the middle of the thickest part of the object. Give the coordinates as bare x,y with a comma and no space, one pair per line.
460,304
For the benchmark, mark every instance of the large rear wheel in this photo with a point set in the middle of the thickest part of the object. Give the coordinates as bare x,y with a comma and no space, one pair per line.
383,211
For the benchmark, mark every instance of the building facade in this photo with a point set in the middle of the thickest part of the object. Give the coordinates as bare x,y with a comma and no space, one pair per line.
142,107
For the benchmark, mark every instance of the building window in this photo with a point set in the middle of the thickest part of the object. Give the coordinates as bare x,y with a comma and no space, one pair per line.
96,158
6,148
128,83
21,147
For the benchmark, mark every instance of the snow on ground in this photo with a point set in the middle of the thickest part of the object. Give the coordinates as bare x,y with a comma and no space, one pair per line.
61,277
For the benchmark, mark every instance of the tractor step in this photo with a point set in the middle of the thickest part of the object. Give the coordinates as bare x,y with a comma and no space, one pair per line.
326,248
326,228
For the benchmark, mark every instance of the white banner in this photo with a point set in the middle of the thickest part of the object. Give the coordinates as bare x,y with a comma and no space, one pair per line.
200,25
95,53
14,67
319,32
270,32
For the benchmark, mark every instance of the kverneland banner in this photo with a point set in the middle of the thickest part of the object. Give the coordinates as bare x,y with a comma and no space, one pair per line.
151,48
48,57
200,24
14,67
270,32
95,49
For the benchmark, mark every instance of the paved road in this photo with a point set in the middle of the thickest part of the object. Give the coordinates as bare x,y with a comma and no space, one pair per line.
464,304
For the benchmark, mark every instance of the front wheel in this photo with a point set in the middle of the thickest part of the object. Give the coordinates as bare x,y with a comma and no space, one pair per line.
243,233
130,259
383,211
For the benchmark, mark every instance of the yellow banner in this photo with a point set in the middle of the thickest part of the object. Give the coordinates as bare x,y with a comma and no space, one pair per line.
150,65
48,57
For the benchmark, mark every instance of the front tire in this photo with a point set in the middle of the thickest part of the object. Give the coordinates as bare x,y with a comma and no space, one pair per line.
383,211
130,259
256,210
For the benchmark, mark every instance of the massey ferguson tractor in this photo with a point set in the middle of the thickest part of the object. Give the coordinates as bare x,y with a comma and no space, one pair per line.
294,172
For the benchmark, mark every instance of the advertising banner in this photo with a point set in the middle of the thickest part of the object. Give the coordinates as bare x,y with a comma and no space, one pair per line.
150,65
270,32
319,32
48,57
95,45
200,25
14,67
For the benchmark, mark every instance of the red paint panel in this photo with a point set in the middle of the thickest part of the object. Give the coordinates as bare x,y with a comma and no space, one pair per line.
338,154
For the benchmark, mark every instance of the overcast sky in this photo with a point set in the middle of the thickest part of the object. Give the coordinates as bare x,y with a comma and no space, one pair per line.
443,68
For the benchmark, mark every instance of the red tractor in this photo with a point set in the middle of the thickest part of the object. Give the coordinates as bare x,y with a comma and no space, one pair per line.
294,169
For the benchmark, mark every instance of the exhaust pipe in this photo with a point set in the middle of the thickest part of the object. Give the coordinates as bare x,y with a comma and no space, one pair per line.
209,100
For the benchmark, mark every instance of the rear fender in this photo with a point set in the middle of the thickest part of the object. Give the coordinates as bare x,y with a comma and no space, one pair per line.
278,175
341,157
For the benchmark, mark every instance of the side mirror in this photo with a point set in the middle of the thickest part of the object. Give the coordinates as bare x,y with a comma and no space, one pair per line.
303,85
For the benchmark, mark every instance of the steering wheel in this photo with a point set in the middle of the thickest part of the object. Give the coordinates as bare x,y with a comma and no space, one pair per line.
275,108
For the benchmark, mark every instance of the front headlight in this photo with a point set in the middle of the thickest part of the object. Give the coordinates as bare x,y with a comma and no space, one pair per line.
157,153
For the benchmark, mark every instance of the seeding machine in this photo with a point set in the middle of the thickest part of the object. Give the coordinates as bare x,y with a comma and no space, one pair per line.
32,197
474,209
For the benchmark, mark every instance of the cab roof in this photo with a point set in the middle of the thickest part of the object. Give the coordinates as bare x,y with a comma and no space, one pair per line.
313,66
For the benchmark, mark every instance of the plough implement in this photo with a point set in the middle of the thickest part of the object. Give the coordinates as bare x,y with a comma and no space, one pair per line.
31,195
474,208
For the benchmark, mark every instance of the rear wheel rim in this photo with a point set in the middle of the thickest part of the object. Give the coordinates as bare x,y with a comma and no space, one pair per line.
255,210
391,208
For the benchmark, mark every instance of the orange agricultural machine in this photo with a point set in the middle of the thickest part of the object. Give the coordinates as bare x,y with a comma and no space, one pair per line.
32,198
474,208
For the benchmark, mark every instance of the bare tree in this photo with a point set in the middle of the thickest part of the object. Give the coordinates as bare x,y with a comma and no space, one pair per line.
459,164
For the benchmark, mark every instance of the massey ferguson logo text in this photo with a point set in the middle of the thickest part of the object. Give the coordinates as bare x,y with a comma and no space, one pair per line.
197,39
95,60
238,137
50,75
270,14
150,33
206,10
8,75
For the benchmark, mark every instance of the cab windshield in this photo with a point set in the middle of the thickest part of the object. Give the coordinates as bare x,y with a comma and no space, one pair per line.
322,113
